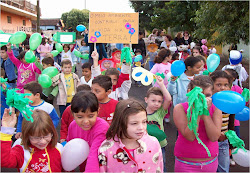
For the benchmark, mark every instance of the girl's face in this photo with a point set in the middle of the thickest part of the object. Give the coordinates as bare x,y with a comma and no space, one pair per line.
41,142
66,49
221,84
137,125
85,120
196,52
208,92
196,68
83,43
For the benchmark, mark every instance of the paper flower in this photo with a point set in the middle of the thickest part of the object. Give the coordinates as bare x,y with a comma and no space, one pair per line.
93,39
98,34
127,26
131,31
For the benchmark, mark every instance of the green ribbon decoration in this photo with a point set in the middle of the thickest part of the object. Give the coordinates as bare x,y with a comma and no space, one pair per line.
2,80
126,55
235,141
159,74
20,102
245,93
197,105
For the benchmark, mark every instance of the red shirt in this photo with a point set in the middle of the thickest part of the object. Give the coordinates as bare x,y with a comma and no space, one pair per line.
107,110
67,118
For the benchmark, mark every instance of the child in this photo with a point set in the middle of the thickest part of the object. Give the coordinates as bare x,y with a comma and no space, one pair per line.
67,116
190,156
84,49
128,147
204,64
222,82
49,93
87,126
121,83
158,101
43,48
67,83
197,50
175,57
8,66
101,87
66,54
138,52
178,87
4,88
162,65
86,74
35,89
39,150
26,71
152,53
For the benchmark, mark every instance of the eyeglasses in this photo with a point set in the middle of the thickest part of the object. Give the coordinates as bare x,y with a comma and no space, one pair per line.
37,139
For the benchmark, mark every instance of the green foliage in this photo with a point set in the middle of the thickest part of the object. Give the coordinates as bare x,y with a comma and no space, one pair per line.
228,19
75,17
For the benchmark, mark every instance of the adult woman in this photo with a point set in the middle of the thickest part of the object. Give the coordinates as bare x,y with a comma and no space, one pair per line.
178,39
152,36
168,42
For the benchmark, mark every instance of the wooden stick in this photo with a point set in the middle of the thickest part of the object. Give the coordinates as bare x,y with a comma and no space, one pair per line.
95,47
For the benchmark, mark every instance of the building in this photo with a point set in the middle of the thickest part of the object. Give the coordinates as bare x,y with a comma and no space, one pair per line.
16,15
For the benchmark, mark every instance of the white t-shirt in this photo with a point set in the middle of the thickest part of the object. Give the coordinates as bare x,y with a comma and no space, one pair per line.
83,81
66,55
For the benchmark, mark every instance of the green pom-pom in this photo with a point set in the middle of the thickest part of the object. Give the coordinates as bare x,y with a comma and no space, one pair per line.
234,140
126,55
245,94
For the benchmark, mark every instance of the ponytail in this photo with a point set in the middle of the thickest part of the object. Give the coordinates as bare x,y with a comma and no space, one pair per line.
162,55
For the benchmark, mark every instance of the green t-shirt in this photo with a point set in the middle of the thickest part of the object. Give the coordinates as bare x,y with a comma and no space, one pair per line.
157,119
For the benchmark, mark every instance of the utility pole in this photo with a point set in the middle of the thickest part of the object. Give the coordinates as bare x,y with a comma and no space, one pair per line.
38,16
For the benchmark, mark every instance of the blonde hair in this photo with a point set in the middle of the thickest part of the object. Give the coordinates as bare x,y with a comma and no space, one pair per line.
41,126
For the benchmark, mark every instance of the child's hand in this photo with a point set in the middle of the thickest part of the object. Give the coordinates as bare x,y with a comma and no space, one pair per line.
95,55
159,80
18,135
4,86
62,140
173,78
209,102
8,47
9,120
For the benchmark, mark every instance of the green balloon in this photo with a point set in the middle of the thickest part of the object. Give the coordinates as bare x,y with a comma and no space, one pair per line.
85,56
50,71
55,37
77,53
30,56
59,47
18,37
54,53
1,32
44,80
35,41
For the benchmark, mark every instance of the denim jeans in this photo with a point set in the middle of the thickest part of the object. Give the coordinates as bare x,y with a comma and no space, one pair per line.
223,157
163,149
62,108
151,64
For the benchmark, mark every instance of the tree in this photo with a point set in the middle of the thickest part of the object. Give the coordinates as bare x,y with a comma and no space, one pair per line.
75,17
223,22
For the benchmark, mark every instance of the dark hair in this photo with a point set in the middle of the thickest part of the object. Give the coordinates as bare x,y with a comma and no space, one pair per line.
83,87
86,65
175,56
4,48
168,36
163,53
42,125
123,110
112,71
66,45
221,74
103,81
34,87
141,33
185,32
191,61
83,101
179,35
43,41
199,49
200,81
154,30
138,51
21,55
66,62
27,47
155,91
48,61
233,73
202,58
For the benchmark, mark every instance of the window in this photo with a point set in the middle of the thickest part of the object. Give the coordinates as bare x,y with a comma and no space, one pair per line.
24,22
9,19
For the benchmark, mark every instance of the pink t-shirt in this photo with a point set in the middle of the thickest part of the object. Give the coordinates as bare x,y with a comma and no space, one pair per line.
188,149
161,68
237,89
43,48
26,72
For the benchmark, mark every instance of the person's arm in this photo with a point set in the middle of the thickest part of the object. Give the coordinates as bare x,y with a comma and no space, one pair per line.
180,120
64,124
38,64
55,118
37,70
166,95
95,69
172,86
39,49
54,92
15,61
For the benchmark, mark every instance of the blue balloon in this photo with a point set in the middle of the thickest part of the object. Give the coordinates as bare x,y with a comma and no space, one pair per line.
243,115
138,58
64,143
229,101
213,62
177,68
80,28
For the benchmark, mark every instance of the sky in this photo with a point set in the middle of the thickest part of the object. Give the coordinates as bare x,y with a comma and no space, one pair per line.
55,8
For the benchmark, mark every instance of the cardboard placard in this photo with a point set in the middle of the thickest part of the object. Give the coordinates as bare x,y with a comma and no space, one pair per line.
66,37
105,27
4,38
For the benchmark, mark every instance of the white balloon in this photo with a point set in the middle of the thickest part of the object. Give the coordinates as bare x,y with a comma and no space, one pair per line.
242,158
169,74
74,153
17,142
192,44
173,49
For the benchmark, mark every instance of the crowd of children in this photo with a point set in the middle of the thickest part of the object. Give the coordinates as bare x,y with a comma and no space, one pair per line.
123,134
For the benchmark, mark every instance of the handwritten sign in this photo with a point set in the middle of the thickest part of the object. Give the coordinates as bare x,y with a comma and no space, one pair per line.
4,38
107,27
66,37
